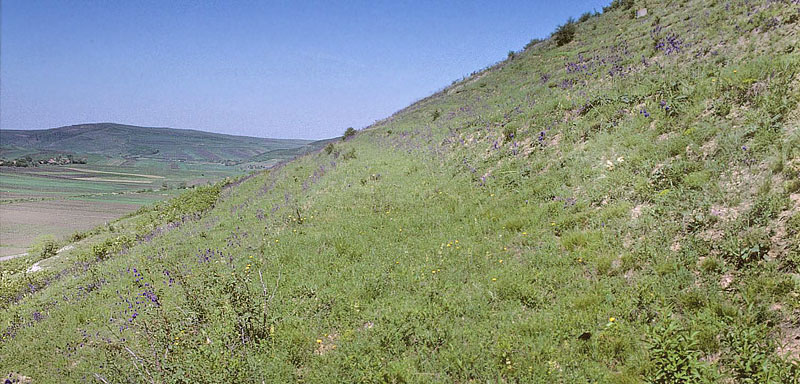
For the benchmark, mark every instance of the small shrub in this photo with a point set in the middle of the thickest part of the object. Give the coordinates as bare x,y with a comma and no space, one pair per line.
722,107
674,354
348,133
711,265
78,236
435,115
791,186
584,17
329,149
565,32
793,225
509,132
43,248
351,154
697,179
619,4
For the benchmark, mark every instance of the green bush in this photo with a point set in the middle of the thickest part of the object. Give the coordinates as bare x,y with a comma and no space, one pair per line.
110,247
348,133
619,4
349,155
565,32
43,248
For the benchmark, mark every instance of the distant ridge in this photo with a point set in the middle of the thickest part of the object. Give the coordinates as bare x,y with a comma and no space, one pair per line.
119,140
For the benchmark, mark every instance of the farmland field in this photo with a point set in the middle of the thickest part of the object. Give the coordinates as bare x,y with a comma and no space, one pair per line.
125,168
60,200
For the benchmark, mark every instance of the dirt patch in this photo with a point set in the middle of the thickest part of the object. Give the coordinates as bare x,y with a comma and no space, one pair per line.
726,280
789,346
676,245
326,344
781,241
726,213
666,136
636,212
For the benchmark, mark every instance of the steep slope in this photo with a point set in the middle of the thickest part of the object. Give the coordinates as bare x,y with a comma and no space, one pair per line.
158,143
622,208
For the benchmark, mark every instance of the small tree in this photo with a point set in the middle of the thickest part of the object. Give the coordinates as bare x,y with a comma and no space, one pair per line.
44,247
565,32
348,133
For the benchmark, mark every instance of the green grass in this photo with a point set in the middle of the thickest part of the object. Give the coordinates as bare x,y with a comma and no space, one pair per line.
103,180
596,244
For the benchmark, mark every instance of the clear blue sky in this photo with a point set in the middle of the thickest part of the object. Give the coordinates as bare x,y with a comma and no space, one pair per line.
286,69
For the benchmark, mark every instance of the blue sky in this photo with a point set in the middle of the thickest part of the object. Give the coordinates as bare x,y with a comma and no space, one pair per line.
288,69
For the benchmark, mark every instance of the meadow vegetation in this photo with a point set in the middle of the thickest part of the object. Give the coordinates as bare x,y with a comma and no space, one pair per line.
622,207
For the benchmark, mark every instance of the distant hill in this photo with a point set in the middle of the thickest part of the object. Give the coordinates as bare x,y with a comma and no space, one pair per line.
118,140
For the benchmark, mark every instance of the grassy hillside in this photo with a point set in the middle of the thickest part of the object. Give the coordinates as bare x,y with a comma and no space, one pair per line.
117,140
621,207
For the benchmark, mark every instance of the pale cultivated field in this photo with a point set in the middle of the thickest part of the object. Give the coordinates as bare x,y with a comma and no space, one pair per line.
22,222
59,201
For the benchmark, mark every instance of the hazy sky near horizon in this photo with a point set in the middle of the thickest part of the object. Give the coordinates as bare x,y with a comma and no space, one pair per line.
287,69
